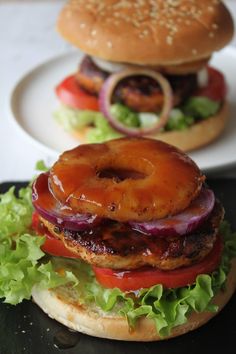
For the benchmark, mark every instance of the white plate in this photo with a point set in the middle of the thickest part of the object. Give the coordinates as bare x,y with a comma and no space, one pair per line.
33,102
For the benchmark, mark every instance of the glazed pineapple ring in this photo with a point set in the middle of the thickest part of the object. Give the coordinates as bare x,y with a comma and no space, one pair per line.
126,179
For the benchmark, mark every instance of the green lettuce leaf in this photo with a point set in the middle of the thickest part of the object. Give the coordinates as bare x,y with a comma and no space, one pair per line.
72,119
101,131
22,263
41,166
15,213
178,120
125,115
200,107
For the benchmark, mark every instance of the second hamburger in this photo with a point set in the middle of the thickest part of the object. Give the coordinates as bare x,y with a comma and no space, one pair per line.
145,72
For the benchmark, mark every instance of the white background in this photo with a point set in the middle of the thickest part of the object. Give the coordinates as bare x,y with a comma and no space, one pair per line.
27,38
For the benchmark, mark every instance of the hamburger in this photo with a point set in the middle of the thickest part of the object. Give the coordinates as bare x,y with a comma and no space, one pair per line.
145,70
136,242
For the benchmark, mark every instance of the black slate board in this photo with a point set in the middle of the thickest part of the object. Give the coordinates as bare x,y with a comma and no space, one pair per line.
25,329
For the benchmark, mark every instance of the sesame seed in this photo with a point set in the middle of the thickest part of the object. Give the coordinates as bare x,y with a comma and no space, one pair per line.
215,26
82,25
93,32
211,35
169,40
90,42
127,19
89,6
173,3
101,6
194,51
153,14
109,44
68,14
210,8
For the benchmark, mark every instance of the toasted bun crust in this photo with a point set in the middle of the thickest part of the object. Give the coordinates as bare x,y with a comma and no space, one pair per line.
147,32
63,307
196,136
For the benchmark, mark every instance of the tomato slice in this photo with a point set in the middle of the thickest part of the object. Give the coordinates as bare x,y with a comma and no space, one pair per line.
52,245
216,89
70,93
145,278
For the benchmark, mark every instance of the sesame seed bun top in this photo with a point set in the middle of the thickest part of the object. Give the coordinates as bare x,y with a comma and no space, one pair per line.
147,32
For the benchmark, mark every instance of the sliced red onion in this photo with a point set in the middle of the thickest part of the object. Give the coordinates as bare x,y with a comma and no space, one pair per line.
60,215
108,88
182,223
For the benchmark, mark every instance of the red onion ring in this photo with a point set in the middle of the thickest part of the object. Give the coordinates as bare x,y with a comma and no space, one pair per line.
182,223
107,90
50,209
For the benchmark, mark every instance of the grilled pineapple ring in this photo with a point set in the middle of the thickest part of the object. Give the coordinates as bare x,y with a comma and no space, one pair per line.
126,179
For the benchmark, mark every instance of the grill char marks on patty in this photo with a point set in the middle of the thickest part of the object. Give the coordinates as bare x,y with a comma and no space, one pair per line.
115,245
142,94
90,77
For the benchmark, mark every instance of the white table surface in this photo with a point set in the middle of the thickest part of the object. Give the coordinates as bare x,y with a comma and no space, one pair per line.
27,38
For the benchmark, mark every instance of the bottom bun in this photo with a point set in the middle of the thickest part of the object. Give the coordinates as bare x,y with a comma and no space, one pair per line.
62,305
196,136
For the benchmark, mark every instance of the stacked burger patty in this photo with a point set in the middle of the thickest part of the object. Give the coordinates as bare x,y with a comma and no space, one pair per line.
142,94
112,216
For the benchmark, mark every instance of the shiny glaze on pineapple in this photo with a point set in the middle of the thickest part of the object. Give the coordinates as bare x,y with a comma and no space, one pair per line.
167,180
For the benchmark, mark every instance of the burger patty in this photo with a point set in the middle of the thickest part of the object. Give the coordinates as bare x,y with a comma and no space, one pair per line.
117,246
90,77
142,94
